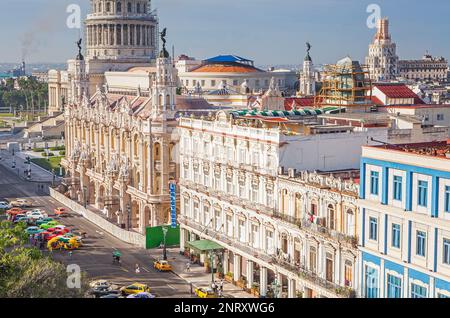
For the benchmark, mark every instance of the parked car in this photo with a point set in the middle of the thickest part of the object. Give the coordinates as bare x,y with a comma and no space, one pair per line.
14,211
18,217
33,230
21,203
37,214
99,283
48,225
5,205
142,295
103,291
205,293
43,221
135,288
162,266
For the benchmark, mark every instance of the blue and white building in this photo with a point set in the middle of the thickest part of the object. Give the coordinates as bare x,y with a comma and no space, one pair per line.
404,221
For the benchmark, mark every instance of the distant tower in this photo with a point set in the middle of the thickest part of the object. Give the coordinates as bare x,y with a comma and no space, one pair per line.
382,60
165,84
79,82
307,78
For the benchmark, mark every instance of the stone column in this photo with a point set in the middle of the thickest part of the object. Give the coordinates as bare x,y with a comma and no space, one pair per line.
165,166
141,165
263,281
237,267
250,269
280,284
291,288
182,239
225,262
150,166
121,35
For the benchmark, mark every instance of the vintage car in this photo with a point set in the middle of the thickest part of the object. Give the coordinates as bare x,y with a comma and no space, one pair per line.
162,266
135,288
21,203
205,293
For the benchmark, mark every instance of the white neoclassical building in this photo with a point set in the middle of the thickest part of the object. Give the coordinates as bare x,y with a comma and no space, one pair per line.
232,194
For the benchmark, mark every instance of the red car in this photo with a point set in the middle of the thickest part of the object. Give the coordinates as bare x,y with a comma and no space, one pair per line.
61,211
15,211
63,230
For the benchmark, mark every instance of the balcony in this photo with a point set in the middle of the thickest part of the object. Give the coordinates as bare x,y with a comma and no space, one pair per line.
312,277
313,228
287,218
221,237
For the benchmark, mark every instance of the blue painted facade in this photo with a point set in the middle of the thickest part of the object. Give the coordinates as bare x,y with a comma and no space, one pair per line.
382,264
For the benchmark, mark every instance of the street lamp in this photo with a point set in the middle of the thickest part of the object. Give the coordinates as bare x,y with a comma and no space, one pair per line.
84,196
211,256
128,216
165,230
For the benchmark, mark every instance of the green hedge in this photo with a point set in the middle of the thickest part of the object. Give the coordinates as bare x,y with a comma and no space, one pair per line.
58,148
62,153
38,149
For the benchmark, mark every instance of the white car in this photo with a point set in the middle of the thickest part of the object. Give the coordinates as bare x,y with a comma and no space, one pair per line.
37,214
5,205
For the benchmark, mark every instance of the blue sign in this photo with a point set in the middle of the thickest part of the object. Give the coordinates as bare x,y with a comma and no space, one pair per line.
173,204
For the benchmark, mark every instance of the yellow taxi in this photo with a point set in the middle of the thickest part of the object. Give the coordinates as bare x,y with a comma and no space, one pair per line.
162,266
205,293
135,288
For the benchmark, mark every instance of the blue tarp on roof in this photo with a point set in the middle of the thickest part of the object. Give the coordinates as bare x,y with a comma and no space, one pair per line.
227,58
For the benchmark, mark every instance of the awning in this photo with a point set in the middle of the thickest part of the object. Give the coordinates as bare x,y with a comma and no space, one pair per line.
204,245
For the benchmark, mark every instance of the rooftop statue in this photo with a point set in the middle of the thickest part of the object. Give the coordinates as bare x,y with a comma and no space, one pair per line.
164,52
79,56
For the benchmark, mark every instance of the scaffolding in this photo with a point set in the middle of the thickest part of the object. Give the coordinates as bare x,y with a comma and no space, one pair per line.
346,85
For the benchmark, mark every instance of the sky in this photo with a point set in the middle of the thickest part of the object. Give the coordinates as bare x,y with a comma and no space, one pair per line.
271,32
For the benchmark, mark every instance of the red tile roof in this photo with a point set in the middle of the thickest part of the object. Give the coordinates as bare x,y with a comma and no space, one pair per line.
298,102
398,91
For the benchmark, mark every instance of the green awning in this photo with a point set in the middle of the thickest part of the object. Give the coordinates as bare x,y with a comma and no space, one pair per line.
204,245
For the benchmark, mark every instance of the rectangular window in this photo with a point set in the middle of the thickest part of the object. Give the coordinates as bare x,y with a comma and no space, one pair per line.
373,229
398,188
394,286
418,291
371,282
422,193
374,178
447,199
440,116
446,253
421,243
396,235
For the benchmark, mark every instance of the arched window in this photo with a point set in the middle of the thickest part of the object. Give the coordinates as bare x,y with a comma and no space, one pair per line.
119,6
108,7
350,222
298,205
168,101
331,217
284,202
129,7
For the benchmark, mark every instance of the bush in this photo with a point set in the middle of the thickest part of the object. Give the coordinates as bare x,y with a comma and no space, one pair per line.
38,149
51,154
57,148
62,153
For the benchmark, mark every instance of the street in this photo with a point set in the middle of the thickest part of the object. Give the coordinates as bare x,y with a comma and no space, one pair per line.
95,256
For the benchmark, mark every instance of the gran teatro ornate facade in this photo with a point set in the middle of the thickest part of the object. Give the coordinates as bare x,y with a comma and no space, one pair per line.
121,141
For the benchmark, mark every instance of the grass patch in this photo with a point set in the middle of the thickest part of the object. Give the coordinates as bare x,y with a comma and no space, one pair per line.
6,115
52,163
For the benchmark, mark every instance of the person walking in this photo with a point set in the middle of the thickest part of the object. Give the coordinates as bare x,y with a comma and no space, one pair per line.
188,267
138,270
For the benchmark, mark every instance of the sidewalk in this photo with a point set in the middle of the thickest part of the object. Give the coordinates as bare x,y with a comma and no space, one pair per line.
38,174
197,275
